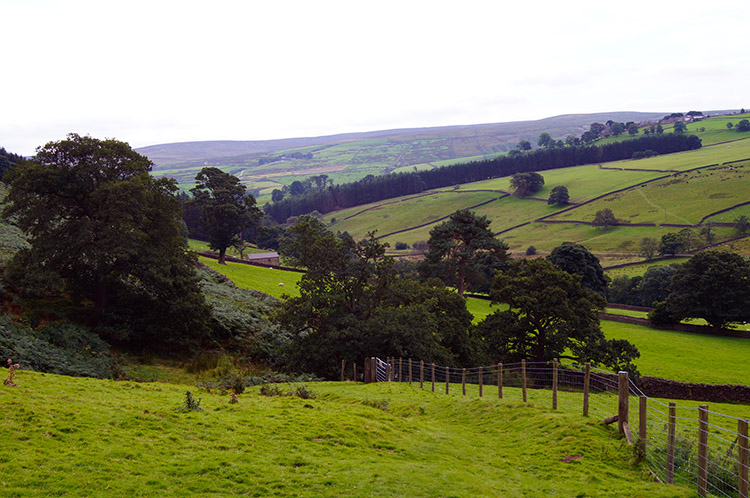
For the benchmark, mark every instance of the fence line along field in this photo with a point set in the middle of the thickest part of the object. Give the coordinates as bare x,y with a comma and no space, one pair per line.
325,439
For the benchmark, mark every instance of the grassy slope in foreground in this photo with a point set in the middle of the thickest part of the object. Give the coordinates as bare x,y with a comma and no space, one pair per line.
78,437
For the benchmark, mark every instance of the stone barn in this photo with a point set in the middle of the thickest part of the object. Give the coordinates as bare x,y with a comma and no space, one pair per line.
264,258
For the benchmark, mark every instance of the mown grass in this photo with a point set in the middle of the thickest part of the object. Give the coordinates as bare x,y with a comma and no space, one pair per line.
640,269
83,437
266,280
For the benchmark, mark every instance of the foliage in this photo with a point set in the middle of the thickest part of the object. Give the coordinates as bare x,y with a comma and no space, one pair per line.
648,247
577,260
7,161
743,125
107,244
524,145
530,251
58,347
742,224
190,404
625,290
400,246
712,285
671,243
550,315
463,252
525,184
680,127
352,306
604,218
226,211
559,195
655,284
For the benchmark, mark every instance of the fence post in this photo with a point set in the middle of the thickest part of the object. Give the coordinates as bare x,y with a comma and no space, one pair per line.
622,404
447,379
343,365
743,458
354,371
523,379
642,421
433,377
586,382
463,381
670,442
500,381
374,369
421,374
408,362
481,380
554,384
703,450
366,371
400,369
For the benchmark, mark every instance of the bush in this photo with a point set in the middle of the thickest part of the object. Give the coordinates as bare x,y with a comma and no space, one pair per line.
400,246
60,348
530,251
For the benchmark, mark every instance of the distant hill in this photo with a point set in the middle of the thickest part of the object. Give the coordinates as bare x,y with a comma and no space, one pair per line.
268,164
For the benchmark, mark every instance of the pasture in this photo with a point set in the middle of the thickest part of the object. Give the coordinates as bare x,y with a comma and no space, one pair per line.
258,278
67,436
640,269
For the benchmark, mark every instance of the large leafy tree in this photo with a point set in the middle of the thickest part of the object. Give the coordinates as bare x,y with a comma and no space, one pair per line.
528,183
713,285
559,195
226,210
463,252
548,315
576,259
352,305
105,237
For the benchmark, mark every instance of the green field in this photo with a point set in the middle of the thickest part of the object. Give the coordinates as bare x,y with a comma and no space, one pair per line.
640,269
266,280
67,436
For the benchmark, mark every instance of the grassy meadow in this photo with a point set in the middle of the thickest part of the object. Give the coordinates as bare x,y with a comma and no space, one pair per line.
68,436
266,280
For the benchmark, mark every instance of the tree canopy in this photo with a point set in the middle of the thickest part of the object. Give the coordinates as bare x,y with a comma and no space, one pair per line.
713,285
576,259
549,315
463,252
559,195
604,218
107,238
226,210
524,184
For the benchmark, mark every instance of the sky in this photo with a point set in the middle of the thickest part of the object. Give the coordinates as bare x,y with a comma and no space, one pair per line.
152,72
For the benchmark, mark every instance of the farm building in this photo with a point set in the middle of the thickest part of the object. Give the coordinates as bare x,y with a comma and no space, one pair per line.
264,258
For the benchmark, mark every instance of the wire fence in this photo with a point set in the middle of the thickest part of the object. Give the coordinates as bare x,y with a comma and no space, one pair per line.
689,445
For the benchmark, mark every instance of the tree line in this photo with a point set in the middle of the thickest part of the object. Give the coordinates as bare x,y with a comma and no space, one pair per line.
377,188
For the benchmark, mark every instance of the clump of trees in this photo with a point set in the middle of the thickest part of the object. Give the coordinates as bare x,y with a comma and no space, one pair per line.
604,218
107,246
526,184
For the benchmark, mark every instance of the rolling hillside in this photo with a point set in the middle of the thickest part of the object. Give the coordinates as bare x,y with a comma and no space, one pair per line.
351,156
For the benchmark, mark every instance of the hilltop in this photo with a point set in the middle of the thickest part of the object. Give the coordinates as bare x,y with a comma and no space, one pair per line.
351,156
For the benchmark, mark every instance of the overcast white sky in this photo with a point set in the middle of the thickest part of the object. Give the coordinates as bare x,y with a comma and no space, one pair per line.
150,72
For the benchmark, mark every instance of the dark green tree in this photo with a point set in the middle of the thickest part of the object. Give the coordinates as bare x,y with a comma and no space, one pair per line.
525,184
680,127
742,224
463,252
226,209
743,125
633,130
648,247
351,305
545,140
107,242
549,315
671,243
577,260
713,285
604,218
617,129
659,129
559,195
708,232
524,145
654,286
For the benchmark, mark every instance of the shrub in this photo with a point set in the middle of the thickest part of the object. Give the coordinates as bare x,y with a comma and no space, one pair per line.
400,246
190,404
530,251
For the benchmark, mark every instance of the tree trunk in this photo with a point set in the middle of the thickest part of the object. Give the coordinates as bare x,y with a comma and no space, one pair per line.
222,256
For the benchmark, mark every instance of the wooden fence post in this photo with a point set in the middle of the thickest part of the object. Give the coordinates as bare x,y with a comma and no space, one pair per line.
743,458
343,365
447,379
480,381
554,384
622,404
366,371
670,442
400,369
523,379
499,381
586,382
374,369
642,424
463,381
433,377
408,362
703,450
421,374
354,371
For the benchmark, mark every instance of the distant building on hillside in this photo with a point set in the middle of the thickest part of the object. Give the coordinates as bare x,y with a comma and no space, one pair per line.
264,258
